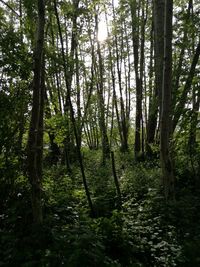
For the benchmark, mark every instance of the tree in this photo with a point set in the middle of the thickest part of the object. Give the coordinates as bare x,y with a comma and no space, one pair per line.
182,101
35,139
138,54
123,120
166,120
100,91
68,80
156,98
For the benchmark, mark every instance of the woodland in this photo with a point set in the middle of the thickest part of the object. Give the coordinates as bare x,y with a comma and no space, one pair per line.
99,133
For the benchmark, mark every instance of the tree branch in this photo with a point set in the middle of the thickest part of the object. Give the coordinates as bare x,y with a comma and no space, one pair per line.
6,4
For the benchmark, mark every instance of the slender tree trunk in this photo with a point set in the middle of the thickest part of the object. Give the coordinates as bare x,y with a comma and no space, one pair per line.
128,80
57,80
142,63
152,110
180,105
116,180
138,112
113,78
124,130
100,90
178,68
35,138
192,142
78,97
55,151
68,86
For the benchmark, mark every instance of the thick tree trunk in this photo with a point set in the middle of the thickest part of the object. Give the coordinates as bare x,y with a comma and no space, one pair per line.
166,121
35,139
156,99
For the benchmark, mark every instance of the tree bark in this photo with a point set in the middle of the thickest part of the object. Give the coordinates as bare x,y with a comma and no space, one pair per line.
156,99
138,112
166,121
35,139
152,116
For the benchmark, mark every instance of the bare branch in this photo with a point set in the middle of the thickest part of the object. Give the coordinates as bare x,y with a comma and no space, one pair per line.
6,4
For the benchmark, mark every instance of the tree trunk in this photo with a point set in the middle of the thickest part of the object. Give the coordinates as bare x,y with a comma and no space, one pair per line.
180,105
166,122
68,77
113,78
138,112
116,181
100,89
35,139
156,100
123,119
152,111
178,68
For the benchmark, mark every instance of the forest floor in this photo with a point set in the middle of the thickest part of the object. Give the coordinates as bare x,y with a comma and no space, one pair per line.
143,231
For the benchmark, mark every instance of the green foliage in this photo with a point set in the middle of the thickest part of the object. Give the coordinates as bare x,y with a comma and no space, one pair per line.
145,232
149,236
85,247
139,179
186,157
57,125
15,58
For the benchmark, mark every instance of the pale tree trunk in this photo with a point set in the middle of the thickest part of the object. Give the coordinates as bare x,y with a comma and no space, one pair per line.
159,8
55,66
113,78
142,64
78,96
35,139
100,90
123,119
128,80
166,120
138,112
152,116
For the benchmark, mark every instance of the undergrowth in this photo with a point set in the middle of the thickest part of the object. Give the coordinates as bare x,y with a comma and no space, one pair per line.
146,231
